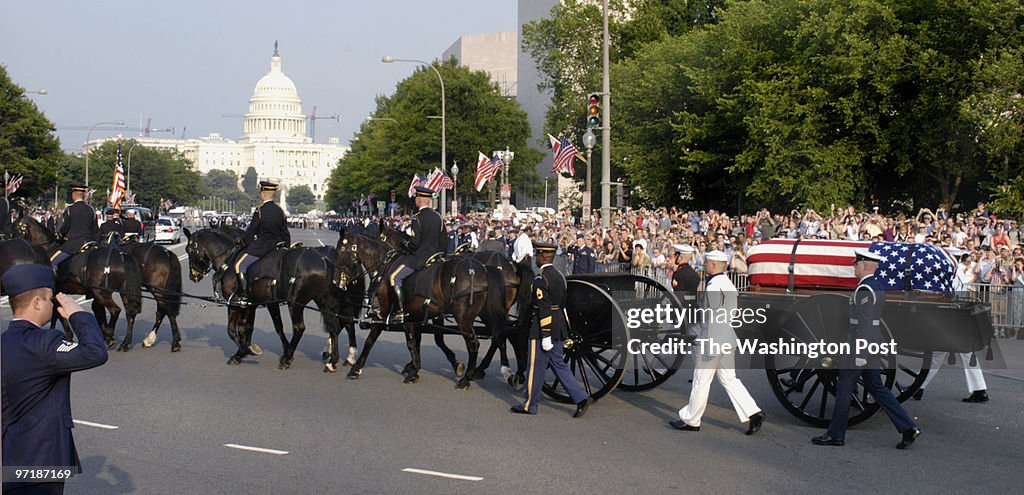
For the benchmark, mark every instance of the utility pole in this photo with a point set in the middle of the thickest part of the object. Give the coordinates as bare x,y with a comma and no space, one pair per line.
606,129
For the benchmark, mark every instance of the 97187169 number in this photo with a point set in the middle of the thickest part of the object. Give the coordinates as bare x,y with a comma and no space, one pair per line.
36,473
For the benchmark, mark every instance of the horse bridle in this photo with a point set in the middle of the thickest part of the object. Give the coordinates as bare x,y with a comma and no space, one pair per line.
204,259
367,270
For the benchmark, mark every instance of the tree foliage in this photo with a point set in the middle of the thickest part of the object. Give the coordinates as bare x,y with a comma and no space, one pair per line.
155,174
300,199
28,145
386,153
802,102
250,183
224,185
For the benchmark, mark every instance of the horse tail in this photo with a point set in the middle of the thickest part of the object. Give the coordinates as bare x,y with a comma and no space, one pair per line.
495,308
131,286
172,293
525,288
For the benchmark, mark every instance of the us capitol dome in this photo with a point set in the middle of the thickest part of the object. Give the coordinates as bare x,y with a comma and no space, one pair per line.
274,141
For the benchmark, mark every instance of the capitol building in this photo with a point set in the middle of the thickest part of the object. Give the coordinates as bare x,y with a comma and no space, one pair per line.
275,142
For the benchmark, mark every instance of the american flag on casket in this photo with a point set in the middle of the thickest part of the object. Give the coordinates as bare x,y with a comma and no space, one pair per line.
829,264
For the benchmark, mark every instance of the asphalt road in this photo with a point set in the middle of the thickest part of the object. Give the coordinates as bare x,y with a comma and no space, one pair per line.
175,413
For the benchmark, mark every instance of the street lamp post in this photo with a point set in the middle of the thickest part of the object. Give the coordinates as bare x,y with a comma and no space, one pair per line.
387,59
589,140
128,178
87,136
455,189
37,91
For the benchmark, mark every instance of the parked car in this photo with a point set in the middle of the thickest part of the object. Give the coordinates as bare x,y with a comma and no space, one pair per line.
167,231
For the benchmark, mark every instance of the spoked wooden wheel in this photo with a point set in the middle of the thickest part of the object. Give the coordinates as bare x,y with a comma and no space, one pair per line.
647,370
806,386
593,350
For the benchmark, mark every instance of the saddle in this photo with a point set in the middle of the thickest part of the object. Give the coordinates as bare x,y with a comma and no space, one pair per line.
88,246
421,282
464,249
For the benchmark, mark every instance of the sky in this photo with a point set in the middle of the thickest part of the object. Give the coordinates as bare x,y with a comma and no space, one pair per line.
187,63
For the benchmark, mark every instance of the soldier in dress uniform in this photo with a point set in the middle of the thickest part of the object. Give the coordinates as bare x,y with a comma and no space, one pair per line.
78,226
547,333
428,237
131,224
267,228
866,307
583,258
111,225
36,375
685,278
719,294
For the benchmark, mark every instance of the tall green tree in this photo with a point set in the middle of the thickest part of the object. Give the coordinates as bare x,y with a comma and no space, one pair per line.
385,154
250,183
155,174
28,145
300,199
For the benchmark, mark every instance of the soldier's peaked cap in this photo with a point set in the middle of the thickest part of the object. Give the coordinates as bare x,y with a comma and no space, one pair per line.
865,255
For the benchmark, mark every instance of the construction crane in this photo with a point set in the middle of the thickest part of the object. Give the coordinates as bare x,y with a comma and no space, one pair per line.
109,128
149,128
312,122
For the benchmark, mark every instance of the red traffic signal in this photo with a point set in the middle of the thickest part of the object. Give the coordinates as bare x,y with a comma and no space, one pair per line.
594,110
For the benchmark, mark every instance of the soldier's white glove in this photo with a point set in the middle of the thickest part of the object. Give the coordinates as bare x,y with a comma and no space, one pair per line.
860,362
546,344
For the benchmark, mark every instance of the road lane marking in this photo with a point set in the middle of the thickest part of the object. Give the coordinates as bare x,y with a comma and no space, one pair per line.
443,475
321,242
255,449
94,425
182,257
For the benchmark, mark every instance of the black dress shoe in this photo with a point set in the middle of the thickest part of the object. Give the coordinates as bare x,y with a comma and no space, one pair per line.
977,396
680,425
755,423
908,438
582,406
519,410
827,440
919,394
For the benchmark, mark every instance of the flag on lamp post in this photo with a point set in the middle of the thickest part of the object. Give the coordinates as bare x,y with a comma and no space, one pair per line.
564,154
486,169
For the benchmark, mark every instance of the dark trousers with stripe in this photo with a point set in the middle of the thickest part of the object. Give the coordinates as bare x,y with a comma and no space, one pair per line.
540,360
883,397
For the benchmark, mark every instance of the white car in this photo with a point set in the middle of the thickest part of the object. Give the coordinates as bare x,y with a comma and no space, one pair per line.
167,231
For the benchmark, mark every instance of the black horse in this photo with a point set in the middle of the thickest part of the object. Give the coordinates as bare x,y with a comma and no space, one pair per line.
458,287
97,272
518,284
293,276
161,276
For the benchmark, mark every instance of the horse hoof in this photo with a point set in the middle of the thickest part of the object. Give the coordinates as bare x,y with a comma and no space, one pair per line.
462,385
234,361
354,373
412,378
175,347
330,368
144,346
407,369
111,343
516,381
460,368
122,348
255,349
477,374
283,365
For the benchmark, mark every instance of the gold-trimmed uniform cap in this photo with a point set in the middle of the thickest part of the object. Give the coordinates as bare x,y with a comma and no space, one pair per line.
267,186
544,248
424,192
865,255
77,187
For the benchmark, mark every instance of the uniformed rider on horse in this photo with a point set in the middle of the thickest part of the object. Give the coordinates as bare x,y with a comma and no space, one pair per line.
113,225
428,237
78,226
267,228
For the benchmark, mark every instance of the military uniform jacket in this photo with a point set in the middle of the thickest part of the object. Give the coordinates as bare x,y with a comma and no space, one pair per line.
267,228
111,226
548,300
584,260
37,366
866,306
428,238
78,226
686,280
719,295
131,226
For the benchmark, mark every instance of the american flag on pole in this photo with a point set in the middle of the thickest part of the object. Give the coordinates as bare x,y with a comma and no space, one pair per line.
565,155
829,264
14,184
446,182
486,168
416,180
117,189
129,198
438,180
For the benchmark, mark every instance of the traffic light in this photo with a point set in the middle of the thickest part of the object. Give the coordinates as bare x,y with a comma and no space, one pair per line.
626,188
594,110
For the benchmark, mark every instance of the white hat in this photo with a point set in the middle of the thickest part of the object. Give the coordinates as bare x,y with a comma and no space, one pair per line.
865,255
683,248
716,255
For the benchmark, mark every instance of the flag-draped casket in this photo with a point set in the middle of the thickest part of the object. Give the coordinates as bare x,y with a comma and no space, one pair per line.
823,263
